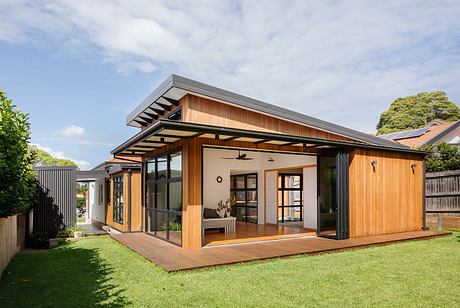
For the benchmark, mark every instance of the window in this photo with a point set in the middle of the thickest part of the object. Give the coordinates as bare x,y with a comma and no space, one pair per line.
164,197
243,191
176,115
290,189
118,198
101,194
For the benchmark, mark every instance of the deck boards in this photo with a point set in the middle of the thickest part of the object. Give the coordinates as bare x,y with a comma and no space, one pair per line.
174,258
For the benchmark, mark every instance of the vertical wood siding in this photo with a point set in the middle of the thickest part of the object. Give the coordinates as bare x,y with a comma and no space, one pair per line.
388,199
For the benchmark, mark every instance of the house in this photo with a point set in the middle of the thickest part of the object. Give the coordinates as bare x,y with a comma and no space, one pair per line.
284,174
435,132
99,193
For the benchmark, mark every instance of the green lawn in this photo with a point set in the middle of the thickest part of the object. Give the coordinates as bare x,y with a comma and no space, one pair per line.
100,272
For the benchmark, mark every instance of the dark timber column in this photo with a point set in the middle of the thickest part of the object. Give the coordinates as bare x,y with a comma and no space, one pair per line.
191,187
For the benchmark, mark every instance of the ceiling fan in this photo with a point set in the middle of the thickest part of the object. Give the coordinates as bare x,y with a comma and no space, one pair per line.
239,157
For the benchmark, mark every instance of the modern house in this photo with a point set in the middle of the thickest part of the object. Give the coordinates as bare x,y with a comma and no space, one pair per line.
118,171
283,174
435,132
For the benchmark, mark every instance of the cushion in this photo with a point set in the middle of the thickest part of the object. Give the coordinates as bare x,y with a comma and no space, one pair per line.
210,213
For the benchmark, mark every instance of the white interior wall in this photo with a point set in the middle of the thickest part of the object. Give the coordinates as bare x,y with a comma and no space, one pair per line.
310,194
214,166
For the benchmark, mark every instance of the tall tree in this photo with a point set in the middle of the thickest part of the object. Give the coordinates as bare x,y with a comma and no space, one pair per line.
416,111
17,179
43,158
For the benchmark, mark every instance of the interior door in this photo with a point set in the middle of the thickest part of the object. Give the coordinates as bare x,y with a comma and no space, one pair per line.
333,195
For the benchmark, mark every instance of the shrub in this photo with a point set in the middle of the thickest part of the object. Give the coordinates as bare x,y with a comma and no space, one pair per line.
17,178
444,157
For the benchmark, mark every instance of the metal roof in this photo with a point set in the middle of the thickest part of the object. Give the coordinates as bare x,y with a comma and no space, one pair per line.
175,87
164,131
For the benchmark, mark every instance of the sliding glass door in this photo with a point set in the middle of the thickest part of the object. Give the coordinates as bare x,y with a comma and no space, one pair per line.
164,197
333,195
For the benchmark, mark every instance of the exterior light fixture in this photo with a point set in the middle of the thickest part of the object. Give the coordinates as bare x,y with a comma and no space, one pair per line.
413,165
373,163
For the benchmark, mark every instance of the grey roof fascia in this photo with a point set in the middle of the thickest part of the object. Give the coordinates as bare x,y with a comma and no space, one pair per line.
149,100
442,134
253,104
91,175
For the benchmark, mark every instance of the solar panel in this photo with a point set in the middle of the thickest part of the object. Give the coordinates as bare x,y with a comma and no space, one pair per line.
406,134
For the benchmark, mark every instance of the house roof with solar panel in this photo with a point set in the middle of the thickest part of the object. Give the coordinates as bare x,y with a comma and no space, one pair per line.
435,132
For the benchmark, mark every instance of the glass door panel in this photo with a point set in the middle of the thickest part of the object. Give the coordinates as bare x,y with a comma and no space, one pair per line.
327,199
333,196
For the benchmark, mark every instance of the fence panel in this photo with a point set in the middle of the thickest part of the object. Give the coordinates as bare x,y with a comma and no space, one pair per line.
12,237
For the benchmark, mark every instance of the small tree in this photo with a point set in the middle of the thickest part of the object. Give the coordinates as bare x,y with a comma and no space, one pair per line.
17,178
444,157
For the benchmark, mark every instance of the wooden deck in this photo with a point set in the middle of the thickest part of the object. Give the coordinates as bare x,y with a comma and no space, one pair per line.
173,258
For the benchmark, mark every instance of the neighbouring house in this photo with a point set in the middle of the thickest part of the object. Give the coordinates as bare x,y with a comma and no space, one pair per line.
435,132
219,167
120,170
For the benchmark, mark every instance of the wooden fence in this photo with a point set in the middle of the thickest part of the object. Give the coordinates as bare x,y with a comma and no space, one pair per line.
13,231
443,198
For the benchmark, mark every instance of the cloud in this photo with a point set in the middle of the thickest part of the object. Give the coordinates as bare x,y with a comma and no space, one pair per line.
72,131
343,61
82,164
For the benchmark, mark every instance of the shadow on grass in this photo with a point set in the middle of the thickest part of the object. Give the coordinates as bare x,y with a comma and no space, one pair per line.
66,276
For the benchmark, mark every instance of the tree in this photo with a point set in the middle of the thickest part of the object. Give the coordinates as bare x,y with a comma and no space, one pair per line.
17,178
43,158
416,111
444,157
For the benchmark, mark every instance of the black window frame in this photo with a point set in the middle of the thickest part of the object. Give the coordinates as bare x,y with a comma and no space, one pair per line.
234,190
107,191
168,212
283,188
118,199
101,193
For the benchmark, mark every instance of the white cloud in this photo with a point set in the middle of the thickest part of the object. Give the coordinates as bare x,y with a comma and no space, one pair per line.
72,131
82,164
344,61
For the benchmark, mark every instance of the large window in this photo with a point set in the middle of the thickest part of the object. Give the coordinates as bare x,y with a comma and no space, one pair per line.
164,197
118,199
243,191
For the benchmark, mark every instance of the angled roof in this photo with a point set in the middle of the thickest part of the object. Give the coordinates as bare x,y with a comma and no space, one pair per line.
427,135
175,87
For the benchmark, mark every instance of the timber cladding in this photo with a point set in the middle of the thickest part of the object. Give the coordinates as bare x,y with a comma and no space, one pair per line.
205,111
387,197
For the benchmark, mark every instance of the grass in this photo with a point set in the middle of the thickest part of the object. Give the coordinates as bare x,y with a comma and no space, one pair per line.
98,271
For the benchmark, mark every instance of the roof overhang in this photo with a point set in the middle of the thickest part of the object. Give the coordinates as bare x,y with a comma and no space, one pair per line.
164,132
168,94
91,175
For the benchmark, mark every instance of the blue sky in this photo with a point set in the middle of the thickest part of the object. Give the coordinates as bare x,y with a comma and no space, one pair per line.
79,67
